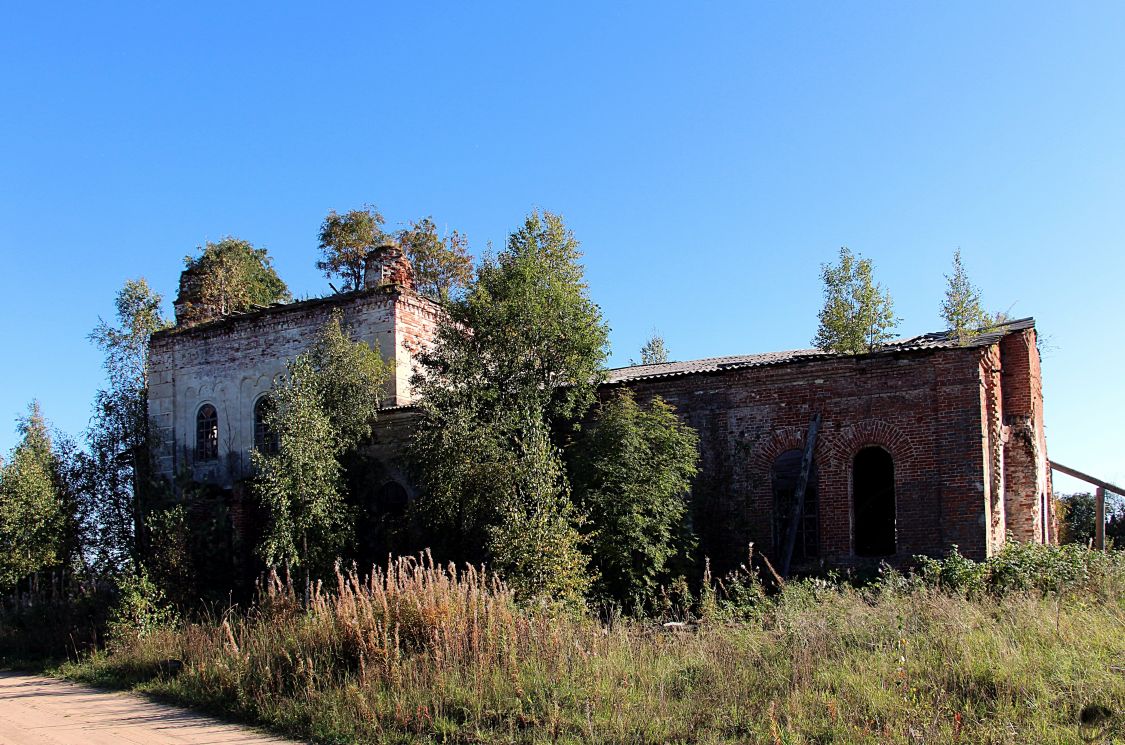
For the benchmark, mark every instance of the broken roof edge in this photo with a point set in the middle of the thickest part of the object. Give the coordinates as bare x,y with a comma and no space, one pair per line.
293,306
938,340
921,343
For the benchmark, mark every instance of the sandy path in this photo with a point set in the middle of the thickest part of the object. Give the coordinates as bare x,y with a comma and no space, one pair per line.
42,711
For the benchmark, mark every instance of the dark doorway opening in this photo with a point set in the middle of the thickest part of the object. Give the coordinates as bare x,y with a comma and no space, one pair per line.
784,475
391,500
873,500
382,528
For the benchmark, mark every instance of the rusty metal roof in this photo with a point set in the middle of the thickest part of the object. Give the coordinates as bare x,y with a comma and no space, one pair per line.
925,342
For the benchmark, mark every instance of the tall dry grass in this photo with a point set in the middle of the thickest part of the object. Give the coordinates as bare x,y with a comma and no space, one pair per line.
418,652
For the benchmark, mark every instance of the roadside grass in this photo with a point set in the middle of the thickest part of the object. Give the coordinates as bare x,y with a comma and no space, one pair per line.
425,653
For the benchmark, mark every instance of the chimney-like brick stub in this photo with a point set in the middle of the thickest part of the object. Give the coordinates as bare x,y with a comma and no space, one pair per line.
387,265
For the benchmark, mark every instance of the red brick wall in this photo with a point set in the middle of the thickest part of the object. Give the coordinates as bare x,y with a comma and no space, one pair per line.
924,408
992,442
1026,472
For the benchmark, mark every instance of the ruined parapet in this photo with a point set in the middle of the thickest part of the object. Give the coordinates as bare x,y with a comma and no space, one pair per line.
387,265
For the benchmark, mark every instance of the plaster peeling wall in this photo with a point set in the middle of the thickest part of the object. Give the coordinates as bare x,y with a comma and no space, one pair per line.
232,363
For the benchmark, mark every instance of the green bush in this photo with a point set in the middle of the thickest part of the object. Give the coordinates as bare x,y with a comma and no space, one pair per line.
1029,567
141,608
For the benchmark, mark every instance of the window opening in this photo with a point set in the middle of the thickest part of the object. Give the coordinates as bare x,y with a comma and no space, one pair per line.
206,433
265,439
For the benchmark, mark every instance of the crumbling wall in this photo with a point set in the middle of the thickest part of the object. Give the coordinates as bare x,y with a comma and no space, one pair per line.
1027,505
232,363
416,321
994,436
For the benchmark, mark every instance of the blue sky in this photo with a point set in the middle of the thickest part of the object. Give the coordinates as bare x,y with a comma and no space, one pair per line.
708,160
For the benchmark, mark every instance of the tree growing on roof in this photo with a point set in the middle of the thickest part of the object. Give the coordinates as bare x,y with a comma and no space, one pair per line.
961,308
230,276
442,266
654,351
345,240
858,314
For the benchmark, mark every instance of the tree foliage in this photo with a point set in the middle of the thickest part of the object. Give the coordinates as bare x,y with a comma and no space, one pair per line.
1079,517
116,469
351,377
654,351
466,468
300,484
32,517
858,314
535,543
961,307
324,406
345,240
522,349
631,474
442,266
227,277
525,338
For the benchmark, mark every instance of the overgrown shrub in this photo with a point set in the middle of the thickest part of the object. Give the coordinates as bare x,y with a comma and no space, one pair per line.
631,472
140,609
1029,567
63,618
737,596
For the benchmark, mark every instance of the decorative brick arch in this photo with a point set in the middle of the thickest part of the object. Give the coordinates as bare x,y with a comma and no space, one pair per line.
761,507
764,500
787,438
851,439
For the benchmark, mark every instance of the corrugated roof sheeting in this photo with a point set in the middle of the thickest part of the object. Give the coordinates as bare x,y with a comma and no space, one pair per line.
936,340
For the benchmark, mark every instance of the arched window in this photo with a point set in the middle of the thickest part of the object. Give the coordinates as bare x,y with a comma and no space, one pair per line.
206,433
873,501
784,475
392,499
265,439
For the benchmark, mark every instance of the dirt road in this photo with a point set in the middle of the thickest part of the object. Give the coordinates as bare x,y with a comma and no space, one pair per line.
42,711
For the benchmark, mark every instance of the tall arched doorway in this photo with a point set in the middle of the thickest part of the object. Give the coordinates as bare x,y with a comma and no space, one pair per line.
873,502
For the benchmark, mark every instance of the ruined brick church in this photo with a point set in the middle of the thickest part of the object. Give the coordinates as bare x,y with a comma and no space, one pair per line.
924,444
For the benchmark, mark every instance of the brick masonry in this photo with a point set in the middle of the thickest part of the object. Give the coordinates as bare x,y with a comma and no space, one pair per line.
945,416
233,362
963,425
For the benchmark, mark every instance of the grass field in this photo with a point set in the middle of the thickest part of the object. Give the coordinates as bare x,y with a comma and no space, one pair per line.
1017,651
